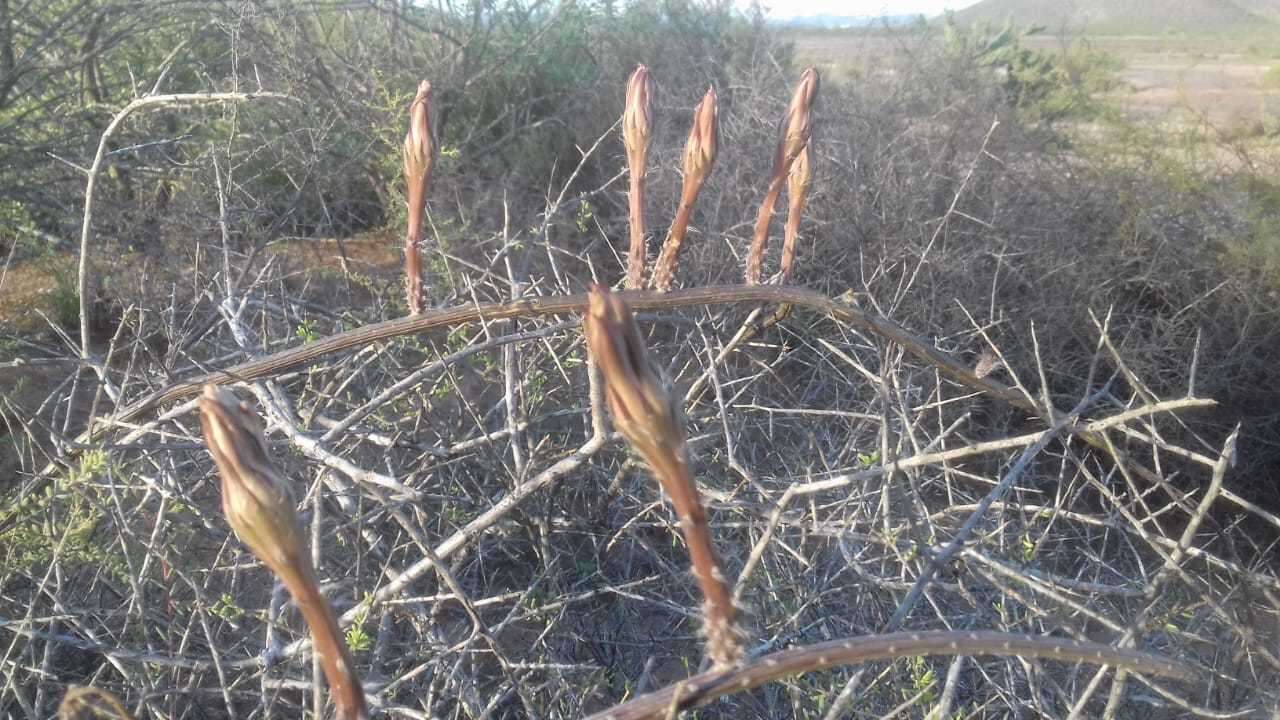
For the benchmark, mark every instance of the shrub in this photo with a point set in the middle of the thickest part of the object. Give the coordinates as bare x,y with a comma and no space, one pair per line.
563,581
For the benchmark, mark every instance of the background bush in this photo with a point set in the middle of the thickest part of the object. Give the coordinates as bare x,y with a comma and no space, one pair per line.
965,182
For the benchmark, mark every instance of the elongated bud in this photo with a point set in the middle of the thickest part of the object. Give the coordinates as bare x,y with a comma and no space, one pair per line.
798,182
642,408
793,137
255,498
700,150
419,157
637,129
797,125
259,506
648,415
699,158
637,118
419,145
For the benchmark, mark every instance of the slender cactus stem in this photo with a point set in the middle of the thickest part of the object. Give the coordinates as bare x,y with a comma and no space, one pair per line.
798,181
760,237
649,416
664,270
329,643
638,253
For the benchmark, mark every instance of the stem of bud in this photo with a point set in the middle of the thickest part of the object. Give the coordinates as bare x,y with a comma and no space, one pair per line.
798,181
648,416
699,158
259,507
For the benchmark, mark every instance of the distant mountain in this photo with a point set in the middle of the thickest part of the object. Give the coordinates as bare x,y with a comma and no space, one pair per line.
1129,16
845,21
1266,9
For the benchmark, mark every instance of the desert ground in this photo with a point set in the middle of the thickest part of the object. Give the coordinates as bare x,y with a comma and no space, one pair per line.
1222,81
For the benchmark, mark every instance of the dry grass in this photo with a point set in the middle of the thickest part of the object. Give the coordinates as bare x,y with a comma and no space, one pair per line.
1172,79
493,552
576,595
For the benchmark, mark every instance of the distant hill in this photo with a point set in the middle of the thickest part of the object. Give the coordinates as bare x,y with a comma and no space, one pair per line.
845,21
1128,16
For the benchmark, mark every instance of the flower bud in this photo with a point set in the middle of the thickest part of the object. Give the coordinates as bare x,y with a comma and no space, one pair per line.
637,128
637,118
700,150
642,407
255,498
797,125
419,145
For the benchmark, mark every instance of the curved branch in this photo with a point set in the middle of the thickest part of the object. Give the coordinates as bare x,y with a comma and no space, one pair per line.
574,305
704,688
86,227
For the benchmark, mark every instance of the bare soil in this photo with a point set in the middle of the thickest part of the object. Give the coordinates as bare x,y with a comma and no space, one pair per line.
1185,79
1226,90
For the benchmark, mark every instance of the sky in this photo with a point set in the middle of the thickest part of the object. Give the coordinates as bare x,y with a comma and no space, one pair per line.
793,8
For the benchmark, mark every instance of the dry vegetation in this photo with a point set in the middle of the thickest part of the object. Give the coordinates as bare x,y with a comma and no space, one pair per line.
1022,379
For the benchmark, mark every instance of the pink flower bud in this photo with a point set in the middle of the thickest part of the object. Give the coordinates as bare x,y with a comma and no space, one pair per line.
700,150
419,145
642,407
797,125
637,118
256,499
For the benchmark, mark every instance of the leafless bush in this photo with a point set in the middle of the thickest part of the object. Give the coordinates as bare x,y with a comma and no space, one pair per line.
493,552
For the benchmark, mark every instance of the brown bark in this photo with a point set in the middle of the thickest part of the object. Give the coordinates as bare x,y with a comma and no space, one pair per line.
706,687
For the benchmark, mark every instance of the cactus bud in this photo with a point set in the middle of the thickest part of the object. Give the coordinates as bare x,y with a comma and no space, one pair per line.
419,156
637,128
699,157
255,498
700,150
797,125
637,118
649,417
419,145
638,399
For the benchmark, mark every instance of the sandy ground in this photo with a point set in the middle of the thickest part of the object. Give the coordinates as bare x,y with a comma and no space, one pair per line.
1227,90
1167,79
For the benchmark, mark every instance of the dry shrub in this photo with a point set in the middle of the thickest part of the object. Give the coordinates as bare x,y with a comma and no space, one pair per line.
562,589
